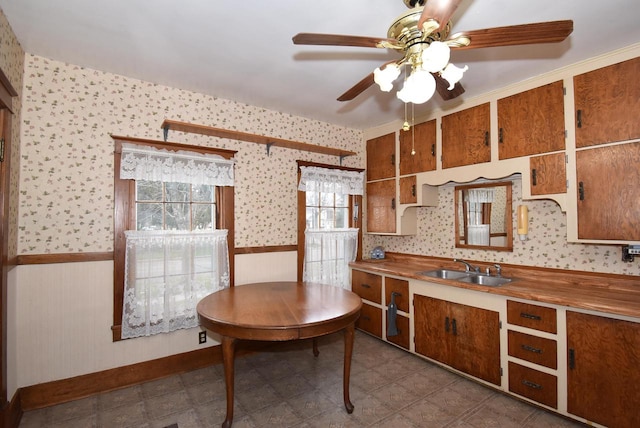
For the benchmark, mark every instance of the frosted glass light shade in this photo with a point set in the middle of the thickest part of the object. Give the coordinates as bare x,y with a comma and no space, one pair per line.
418,88
385,77
453,74
436,57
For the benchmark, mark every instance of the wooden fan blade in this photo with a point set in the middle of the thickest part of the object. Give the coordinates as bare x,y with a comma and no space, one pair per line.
341,40
526,34
361,86
357,89
438,10
442,86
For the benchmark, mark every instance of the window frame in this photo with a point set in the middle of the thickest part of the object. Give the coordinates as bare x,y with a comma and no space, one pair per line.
302,211
124,215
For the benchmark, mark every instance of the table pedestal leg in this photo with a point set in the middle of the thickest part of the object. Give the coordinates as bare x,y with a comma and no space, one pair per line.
228,356
349,333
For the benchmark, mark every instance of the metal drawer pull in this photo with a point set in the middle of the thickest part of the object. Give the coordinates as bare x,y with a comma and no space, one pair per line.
366,318
446,324
531,349
530,316
454,327
365,285
531,384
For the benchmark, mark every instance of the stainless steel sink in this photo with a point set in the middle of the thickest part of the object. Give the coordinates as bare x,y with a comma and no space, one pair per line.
445,274
490,281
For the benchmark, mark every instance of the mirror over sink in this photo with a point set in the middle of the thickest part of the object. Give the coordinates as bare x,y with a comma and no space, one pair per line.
483,217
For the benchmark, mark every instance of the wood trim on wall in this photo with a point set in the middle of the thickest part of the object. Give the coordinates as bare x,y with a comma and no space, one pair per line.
44,259
267,249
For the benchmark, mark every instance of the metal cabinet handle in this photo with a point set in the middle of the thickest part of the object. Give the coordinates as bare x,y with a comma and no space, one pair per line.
433,150
413,190
579,118
534,177
531,384
530,316
572,359
393,203
486,138
393,159
500,136
581,191
365,285
531,349
446,324
454,327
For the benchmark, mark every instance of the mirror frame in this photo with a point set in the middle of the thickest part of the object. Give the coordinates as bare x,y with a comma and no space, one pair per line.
508,216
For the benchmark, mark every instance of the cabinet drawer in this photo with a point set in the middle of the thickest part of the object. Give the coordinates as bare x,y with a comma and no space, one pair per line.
538,386
367,285
370,320
532,348
402,339
402,288
532,316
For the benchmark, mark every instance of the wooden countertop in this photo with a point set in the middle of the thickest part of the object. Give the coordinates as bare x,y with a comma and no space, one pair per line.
609,293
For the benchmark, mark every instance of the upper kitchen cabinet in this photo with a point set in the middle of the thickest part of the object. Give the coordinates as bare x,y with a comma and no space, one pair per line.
608,191
607,101
531,122
466,137
381,157
418,148
548,174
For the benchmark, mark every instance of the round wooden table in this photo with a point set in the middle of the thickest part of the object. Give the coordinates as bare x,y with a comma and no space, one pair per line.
279,311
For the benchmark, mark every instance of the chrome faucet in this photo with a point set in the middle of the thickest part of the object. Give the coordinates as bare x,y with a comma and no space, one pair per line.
468,266
498,269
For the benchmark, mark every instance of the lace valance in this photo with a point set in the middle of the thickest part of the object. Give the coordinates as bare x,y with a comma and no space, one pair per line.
478,196
151,164
326,180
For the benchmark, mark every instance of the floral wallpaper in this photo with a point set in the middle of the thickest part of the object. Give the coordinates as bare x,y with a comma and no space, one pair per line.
546,245
12,64
66,193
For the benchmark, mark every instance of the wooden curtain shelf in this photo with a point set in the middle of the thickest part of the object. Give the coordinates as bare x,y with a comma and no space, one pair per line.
252,138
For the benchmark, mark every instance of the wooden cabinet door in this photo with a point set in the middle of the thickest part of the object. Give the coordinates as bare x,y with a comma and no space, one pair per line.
381,206
603,377
408,190
475,342
432,328
531,122
421,139
548,174
609,192
465,137
607,102
381,157
461,336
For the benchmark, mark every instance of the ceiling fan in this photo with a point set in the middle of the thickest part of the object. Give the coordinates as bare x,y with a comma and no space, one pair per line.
422,36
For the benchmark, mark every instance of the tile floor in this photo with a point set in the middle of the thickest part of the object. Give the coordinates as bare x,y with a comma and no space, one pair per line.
288,387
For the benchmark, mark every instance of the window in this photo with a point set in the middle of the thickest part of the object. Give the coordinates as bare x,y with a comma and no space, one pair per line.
326,210
328,219
174,206
168,207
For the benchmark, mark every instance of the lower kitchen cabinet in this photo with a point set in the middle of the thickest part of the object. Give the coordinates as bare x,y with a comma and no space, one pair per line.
463,337
533,384
603,378
370,320
402,338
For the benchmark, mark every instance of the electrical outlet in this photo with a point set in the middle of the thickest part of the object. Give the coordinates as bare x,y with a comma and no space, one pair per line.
202,337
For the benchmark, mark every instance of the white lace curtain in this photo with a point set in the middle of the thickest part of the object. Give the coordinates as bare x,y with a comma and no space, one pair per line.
327,180
167,271
327,255
166,274
151,164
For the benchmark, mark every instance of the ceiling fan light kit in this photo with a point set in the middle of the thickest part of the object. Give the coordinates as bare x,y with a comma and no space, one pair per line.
422,34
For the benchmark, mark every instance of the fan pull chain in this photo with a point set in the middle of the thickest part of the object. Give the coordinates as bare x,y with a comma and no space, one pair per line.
405,125
413,131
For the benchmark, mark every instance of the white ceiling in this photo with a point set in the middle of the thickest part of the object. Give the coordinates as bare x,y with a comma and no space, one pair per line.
243,50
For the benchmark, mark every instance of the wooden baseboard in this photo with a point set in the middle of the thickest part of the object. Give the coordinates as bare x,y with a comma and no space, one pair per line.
64,390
